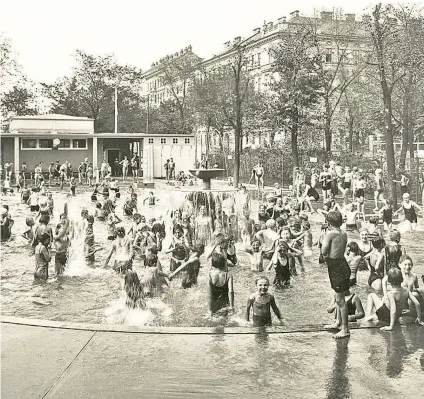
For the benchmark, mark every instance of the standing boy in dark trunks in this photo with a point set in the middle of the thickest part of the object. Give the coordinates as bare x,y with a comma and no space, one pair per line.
333,249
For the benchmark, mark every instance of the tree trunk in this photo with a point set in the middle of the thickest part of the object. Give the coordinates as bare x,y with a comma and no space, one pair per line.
409,119
403,150
351,133
327,127
378,39
294,148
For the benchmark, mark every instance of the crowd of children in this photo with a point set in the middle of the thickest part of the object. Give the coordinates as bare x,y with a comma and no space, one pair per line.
278,239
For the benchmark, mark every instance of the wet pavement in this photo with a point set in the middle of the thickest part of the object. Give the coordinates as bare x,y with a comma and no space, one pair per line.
40,362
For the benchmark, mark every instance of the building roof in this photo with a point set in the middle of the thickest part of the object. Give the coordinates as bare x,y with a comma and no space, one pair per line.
54,117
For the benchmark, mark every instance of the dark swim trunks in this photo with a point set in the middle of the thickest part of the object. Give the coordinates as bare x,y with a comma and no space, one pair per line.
383,313
339,273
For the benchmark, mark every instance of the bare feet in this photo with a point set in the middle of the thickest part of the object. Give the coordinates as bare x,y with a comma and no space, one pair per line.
342,334
334,326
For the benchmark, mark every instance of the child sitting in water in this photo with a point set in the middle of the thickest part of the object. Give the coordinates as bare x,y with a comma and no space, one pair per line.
134,291
190,269
395,304
355,310
220,286
261,303
130,205
152,279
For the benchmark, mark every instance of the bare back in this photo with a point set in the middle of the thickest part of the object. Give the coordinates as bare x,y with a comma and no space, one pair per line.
334,244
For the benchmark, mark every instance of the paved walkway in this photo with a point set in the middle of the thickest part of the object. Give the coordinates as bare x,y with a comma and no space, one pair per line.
61,362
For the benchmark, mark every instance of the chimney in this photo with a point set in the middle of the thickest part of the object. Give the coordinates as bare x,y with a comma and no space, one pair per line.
257,30
350,17
227,44
326,15
237,39
294,14
366,18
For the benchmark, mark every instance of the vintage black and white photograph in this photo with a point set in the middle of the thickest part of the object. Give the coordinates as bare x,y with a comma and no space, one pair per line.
212,199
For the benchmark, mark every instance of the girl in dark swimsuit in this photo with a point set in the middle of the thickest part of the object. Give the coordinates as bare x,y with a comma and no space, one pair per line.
220,284
354,307
409,211
365,247
376,263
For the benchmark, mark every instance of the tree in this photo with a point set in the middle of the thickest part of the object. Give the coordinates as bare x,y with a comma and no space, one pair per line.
176,73
337,69
384,32
295,85
90,91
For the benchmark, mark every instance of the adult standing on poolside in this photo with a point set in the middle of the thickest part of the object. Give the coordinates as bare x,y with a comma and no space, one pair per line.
258,174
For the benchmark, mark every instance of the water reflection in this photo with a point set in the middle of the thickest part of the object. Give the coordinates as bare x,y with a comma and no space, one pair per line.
338,385
396,352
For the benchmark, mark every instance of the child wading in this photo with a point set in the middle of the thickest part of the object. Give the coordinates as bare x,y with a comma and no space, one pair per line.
261,303
333,248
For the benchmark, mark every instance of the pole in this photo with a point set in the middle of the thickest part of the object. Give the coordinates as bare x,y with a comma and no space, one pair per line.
148,114
116,109
282,170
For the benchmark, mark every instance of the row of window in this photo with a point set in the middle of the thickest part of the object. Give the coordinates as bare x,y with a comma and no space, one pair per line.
150,140
47,144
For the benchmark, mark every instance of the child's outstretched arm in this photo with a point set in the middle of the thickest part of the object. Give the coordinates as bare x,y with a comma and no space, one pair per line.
183,266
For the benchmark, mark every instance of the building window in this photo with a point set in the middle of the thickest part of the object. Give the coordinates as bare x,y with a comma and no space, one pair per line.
79,143
45,143
163,140
65,143
187,141
259,59
29,143
174,141
150,141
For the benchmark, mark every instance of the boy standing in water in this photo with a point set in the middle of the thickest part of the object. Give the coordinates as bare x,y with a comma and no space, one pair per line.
333,249
261,303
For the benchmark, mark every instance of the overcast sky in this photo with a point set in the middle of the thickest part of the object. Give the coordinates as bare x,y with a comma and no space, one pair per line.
46,33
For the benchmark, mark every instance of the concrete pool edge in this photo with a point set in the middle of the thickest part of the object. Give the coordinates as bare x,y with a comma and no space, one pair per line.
113,328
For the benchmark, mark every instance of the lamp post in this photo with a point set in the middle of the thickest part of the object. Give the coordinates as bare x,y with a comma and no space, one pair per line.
148,113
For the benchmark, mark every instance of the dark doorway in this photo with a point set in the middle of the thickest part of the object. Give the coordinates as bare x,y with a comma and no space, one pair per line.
112,155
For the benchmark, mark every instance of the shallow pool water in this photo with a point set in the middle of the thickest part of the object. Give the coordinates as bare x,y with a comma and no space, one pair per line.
96,295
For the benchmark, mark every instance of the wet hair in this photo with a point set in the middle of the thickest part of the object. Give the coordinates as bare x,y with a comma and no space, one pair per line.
389,201
334,218
29,222
254,241
151,260
153,249
199,248
280,222
43,237
378,242
133,288
44,219
406,257
90,219
394,276
353,247
324,226
218,260
261,278
120,231
395,235
283,246
99,205
136,216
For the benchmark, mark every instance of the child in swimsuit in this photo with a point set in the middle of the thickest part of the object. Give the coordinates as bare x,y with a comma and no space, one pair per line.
220,285
355,310
261,303
390,308
256,256
42,258
410,209
376,263
134,291
353,257
386,213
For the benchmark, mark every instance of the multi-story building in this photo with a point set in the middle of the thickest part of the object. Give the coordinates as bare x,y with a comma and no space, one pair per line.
342,39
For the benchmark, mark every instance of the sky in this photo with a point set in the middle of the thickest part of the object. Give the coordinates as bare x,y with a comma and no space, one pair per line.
46,33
